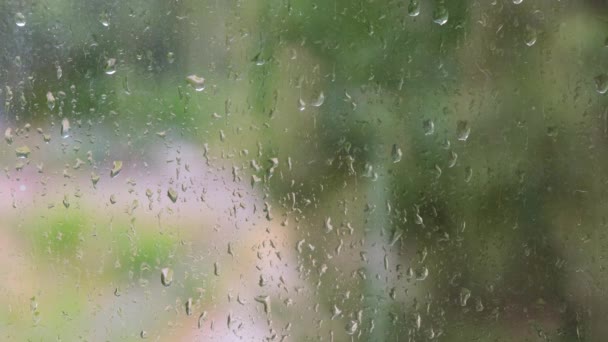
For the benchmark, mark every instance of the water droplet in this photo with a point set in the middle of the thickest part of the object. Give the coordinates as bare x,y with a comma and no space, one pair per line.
117,167
8,136
301,105
265,300
462,130
19,19
552,131
33,304
170,57
441,14
65,128
189,307
196,82
201,319
530,36
468,174
143,334
335,312
59,72
328,226
396,154
50,100
23,152
479,305
104,18
172,195
601,83
94,178
110,67
351,327
421,273
452,159
113,199
413,9
517,2
318,102
428,126
166,276
464,296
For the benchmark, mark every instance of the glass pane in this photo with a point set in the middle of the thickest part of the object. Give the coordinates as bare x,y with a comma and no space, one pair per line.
303,170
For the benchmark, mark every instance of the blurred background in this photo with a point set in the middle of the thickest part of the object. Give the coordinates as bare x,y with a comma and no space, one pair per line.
301,170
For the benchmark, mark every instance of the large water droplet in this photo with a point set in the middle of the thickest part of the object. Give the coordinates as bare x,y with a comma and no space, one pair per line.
441,14
265,300
50,100
196,82
65,128
428,126
19,19
94,178
601,83
116,168
530,36
8,135
172,194
23,152
166,276
517,2
396,154
104,18
464,296
413,9
462,130
110,66
318,102
479,305
189,307
351,327
421,273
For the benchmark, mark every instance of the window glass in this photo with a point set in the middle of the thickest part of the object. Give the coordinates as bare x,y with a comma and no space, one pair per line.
303,170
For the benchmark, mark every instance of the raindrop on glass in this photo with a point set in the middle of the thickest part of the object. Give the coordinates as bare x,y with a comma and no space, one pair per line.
601,83
116,168
110,66
464,296
440,15
19,19
104,18
166,276
196,82
428,127
189,307
172,194
8,135
396,154
23,152
50,100
265,300
65,128
351,327
530,36
462,130
413,9
318,102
